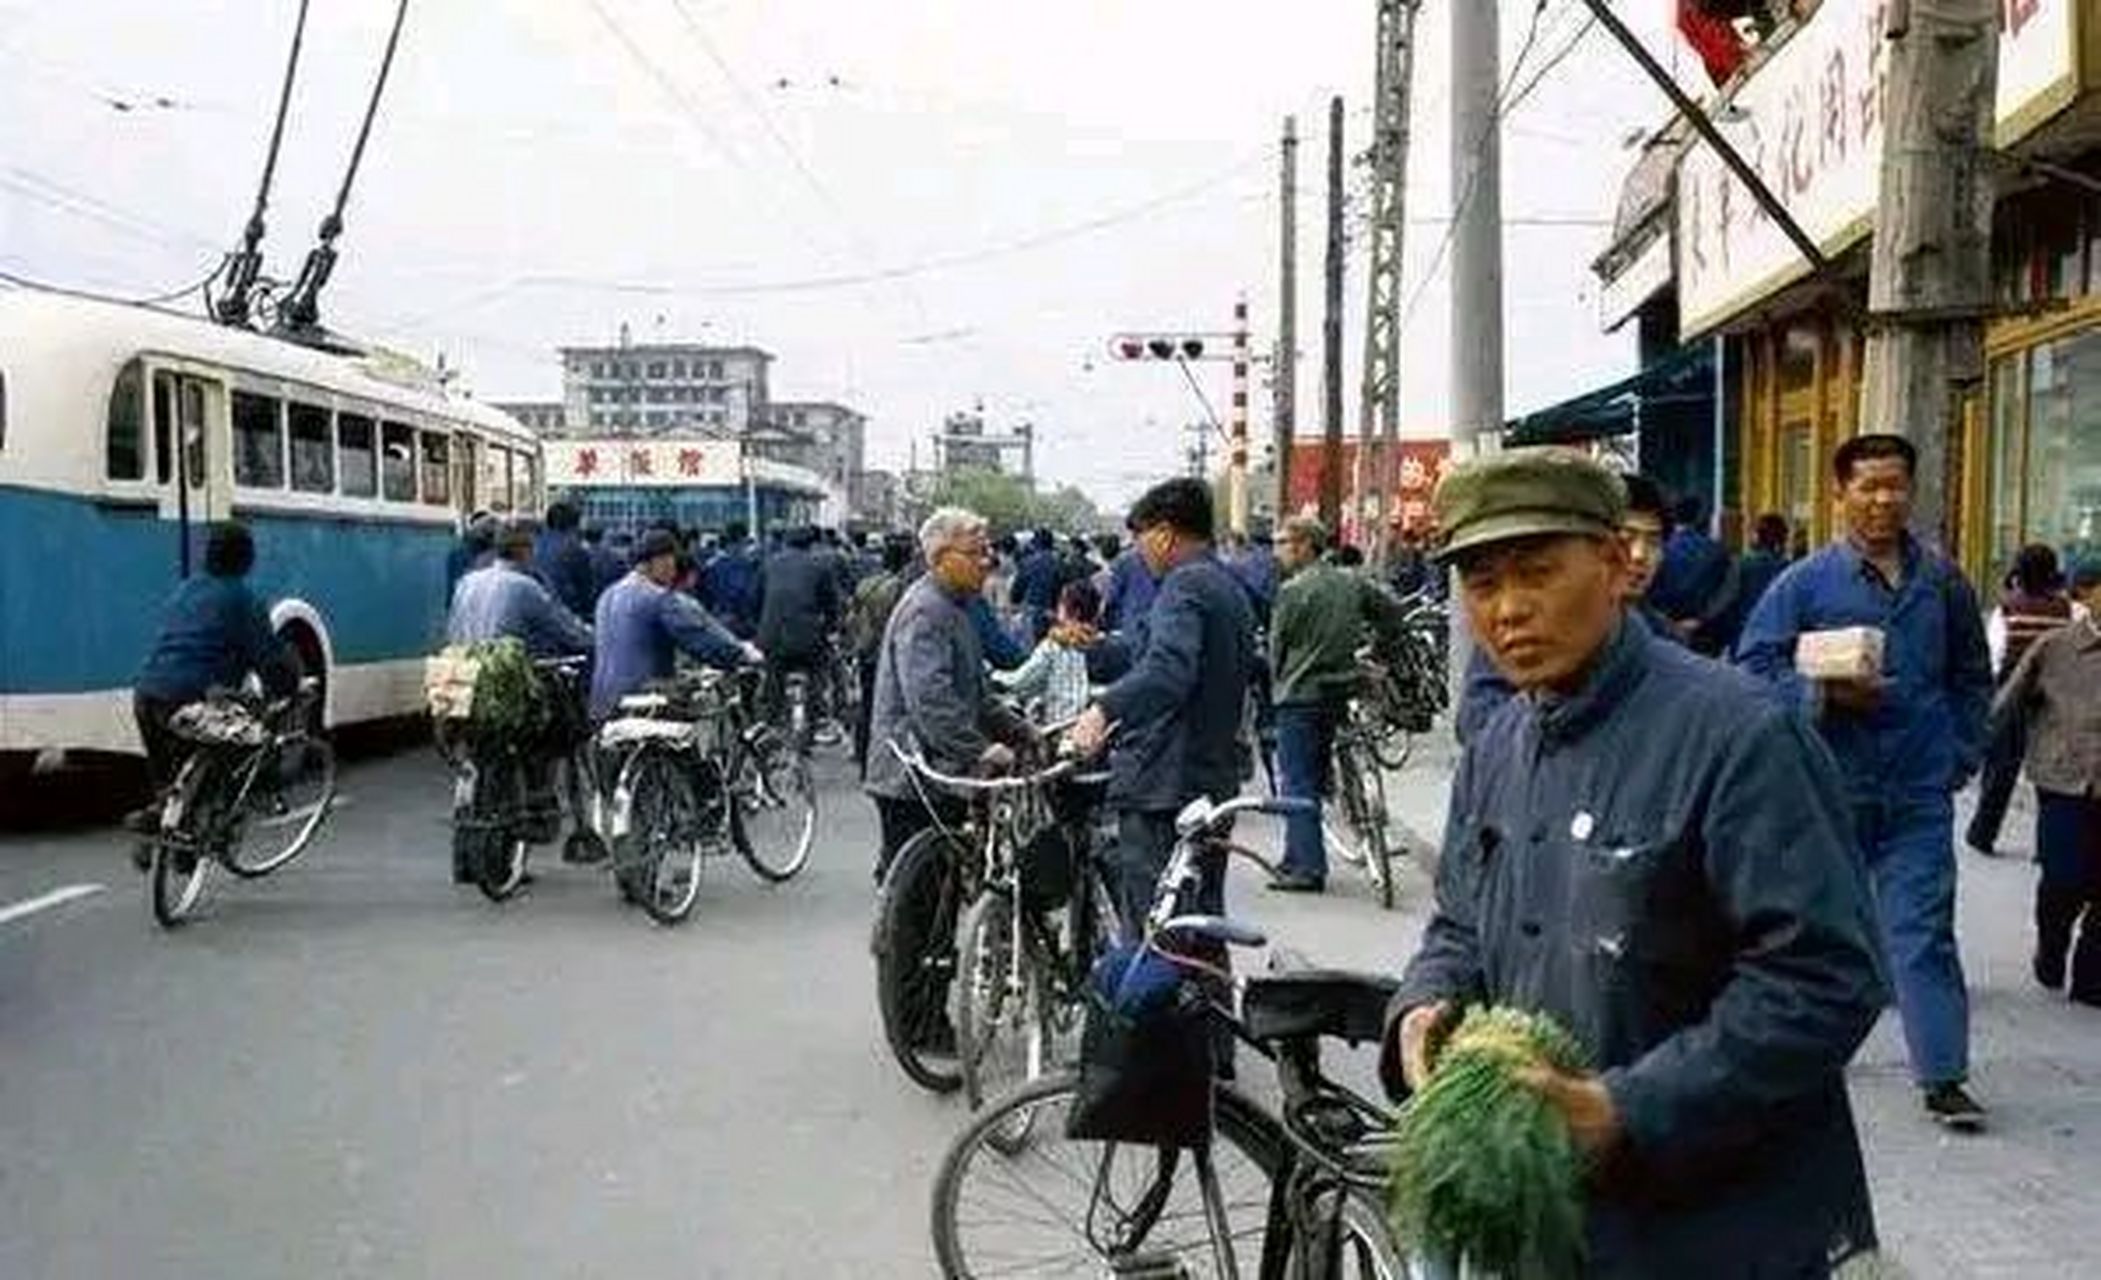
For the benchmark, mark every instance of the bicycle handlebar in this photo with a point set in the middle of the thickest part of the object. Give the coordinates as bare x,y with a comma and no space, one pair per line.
916,762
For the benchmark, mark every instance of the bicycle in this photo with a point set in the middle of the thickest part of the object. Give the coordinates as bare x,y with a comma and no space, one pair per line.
1403,692
498,810
1025,943
1357,834
693,777
1299,1190
251,797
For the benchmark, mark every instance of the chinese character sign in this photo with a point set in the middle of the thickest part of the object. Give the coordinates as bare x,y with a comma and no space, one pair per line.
1421,464
616,463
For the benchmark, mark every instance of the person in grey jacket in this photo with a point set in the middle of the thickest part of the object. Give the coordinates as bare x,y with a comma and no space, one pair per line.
930,690
1177,714
1647,847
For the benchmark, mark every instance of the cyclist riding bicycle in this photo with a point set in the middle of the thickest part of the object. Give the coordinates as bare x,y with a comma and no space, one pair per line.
504,600
800,606
643,625
214,633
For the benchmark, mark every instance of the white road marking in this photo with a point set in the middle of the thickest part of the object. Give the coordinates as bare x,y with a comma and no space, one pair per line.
15,911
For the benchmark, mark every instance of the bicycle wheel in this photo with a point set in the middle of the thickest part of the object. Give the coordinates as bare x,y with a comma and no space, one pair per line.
181,857
1066,1207
1001,1029
915,958
289,793
1355,1244
1391,746
1364,799
657,850
497,816
774,818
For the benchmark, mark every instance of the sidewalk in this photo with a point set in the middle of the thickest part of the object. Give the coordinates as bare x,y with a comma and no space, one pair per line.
2018,1202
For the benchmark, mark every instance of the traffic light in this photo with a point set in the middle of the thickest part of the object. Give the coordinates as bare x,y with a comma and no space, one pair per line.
1165,346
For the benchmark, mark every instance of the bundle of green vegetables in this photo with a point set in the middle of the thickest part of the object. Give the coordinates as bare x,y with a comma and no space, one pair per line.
1485,1168
508,702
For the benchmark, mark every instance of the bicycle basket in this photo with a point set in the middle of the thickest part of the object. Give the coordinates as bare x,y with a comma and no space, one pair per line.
1145,1056
217,723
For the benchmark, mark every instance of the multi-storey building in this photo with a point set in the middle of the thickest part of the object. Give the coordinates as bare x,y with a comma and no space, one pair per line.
663,389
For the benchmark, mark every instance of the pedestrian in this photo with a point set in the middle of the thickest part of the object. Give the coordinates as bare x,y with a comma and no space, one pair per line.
1256,568
1036,584
504,599
1128,602
930,690
730,587
1755,571
474,550
1178,710
800,606
1696,580
867,617
1055,675
607,567
2032,604
1409,570
1906,738
1644,524
214,633
561,560
2056,688
1324,615
1646,848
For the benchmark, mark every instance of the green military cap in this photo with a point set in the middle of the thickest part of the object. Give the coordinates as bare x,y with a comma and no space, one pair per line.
1524,493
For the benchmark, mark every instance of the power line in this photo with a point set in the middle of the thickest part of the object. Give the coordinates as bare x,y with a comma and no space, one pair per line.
74,291
80,204
245,265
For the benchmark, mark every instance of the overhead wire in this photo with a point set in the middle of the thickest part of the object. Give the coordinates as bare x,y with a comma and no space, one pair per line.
244,266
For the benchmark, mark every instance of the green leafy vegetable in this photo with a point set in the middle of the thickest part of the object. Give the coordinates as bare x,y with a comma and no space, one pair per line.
509,704
1484,1167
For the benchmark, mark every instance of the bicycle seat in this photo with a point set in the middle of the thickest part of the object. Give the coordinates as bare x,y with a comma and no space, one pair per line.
644,702
1306,1004
1216,929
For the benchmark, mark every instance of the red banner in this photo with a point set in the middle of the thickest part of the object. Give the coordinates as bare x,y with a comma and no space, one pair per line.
1417,469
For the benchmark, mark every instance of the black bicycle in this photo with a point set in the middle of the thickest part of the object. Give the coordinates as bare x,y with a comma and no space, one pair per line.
257,786
1295,1192
506,797
694,777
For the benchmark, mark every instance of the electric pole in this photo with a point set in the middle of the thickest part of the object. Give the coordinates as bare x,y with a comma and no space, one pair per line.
1477,227
1381,407
1285,403
1199,451
1331,336
1929,282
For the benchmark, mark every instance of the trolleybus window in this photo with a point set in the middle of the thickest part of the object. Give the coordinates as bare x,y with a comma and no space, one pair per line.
437,468
360,461
258,441
465,459
496,477
313,453
523,497
397,463
125,441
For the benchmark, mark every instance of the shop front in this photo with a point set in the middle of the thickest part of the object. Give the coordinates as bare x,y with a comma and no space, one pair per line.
626,484
1809,120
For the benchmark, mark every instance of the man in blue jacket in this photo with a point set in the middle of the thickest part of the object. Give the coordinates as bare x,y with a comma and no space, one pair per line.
1177,714
214,632
1643,846
504,599
730,586
561,560
1906,739
643,625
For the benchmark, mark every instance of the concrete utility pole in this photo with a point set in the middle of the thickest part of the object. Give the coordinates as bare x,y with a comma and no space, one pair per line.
1199,451
1477,227
1286,368
1929,282
1389,205
1331,336
1236,426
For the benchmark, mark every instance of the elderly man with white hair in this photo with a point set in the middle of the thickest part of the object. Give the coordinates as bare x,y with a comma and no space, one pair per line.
930,689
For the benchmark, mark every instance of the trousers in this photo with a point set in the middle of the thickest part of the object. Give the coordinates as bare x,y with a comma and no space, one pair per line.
1995,784
1305,749
2068,893
1908,845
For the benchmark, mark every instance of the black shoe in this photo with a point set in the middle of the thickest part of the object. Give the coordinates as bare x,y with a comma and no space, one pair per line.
1952,1107
2050,971
1297,882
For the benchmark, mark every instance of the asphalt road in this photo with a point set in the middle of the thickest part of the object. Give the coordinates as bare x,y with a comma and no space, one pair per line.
356,1069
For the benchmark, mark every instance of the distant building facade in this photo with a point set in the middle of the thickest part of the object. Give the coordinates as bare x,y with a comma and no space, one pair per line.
664,389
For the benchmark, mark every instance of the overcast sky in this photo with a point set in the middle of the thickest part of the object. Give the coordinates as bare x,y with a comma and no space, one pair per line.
917,205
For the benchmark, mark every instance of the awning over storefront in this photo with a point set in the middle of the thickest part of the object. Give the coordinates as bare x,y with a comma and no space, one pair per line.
1682,379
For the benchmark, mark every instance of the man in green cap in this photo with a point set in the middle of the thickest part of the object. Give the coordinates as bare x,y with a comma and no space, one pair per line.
1647,848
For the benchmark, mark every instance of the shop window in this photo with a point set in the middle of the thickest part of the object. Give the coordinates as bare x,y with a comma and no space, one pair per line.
2006,475
357,455
2064,449
313,448
437,468
124,436
397,462
258,441
1798,357
2061,252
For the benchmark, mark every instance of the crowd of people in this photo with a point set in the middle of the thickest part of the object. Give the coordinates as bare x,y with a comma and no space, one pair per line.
1711,860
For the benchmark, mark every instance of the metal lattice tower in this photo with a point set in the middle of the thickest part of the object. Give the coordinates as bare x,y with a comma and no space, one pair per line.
1381,405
